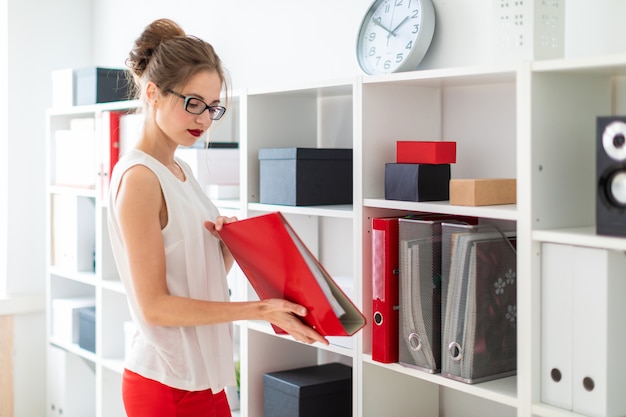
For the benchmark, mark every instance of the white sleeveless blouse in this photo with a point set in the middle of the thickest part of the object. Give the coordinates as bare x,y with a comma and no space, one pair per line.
189,358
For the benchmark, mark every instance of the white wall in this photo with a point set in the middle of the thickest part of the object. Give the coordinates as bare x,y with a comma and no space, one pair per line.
281,42
38,43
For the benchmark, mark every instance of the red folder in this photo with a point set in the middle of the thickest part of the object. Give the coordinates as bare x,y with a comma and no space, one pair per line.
279,265
110,146
385,287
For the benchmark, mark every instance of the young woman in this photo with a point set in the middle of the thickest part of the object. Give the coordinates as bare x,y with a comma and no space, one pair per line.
163,234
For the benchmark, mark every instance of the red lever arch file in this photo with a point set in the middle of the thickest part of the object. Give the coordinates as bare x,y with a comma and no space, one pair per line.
385,287
279,265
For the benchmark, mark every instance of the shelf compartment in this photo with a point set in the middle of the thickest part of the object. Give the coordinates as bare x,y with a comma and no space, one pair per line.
112,315
580,236
320,116
567,97
342,211
502,391
268,353
475,109
72,232
503,212
72,383
266,328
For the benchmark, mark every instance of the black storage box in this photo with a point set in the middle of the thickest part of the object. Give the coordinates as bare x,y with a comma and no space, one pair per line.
323,390
100,85
417,182
87,328
305,176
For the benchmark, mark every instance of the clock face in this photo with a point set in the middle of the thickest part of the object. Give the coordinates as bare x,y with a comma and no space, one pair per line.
395,35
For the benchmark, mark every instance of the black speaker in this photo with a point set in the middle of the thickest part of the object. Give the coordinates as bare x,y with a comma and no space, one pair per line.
611,176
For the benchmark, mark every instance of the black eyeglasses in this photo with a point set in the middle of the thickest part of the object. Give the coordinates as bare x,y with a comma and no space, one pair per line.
196,106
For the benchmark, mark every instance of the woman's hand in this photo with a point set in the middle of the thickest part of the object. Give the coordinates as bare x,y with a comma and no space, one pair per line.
214,227
285,314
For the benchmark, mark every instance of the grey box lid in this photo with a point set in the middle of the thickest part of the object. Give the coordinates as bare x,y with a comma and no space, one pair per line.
305,153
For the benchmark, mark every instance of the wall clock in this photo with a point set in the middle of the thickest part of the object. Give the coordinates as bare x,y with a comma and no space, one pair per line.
394,35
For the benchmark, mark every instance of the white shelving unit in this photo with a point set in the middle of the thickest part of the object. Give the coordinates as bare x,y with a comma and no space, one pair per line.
93,379
97,376
534,121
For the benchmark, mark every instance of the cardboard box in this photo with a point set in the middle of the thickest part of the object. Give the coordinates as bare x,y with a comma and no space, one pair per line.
323,390
417,182
100,85
305,176
424,152
483,192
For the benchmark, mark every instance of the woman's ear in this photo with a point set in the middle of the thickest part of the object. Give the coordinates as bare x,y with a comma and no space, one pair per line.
152,93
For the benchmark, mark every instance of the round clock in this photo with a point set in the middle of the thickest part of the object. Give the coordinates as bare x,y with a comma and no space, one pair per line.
395,35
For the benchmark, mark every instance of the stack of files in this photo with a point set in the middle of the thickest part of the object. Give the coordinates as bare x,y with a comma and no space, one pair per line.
582,329
420,290
479,303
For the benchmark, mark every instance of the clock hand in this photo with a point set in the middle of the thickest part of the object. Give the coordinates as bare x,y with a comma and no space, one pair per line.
393,32
377,22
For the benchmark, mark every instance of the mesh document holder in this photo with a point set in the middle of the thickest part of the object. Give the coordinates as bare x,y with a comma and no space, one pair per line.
420,290
479,340
420,293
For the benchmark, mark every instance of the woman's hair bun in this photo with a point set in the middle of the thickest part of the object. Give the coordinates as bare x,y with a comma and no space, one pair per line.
145,45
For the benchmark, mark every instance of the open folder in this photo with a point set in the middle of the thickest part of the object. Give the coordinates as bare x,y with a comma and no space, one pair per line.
279,265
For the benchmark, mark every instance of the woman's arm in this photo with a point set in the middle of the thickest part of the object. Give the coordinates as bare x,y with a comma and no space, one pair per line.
140,207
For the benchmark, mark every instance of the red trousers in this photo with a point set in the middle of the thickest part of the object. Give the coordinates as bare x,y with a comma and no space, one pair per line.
145,397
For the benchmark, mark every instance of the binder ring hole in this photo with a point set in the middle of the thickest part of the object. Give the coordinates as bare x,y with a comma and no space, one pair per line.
555,374
588,383
415,342
378,318
455,351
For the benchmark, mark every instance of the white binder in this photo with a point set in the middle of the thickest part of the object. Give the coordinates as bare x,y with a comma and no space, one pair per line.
593,338
599,332
556,325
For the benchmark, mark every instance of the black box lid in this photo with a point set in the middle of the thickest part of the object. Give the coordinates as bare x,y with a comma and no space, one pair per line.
311,381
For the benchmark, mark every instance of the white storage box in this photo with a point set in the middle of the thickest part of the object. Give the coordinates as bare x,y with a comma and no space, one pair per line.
212,165
75,157
73,232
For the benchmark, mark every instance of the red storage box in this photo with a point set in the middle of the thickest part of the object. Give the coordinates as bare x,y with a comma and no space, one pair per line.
419,152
